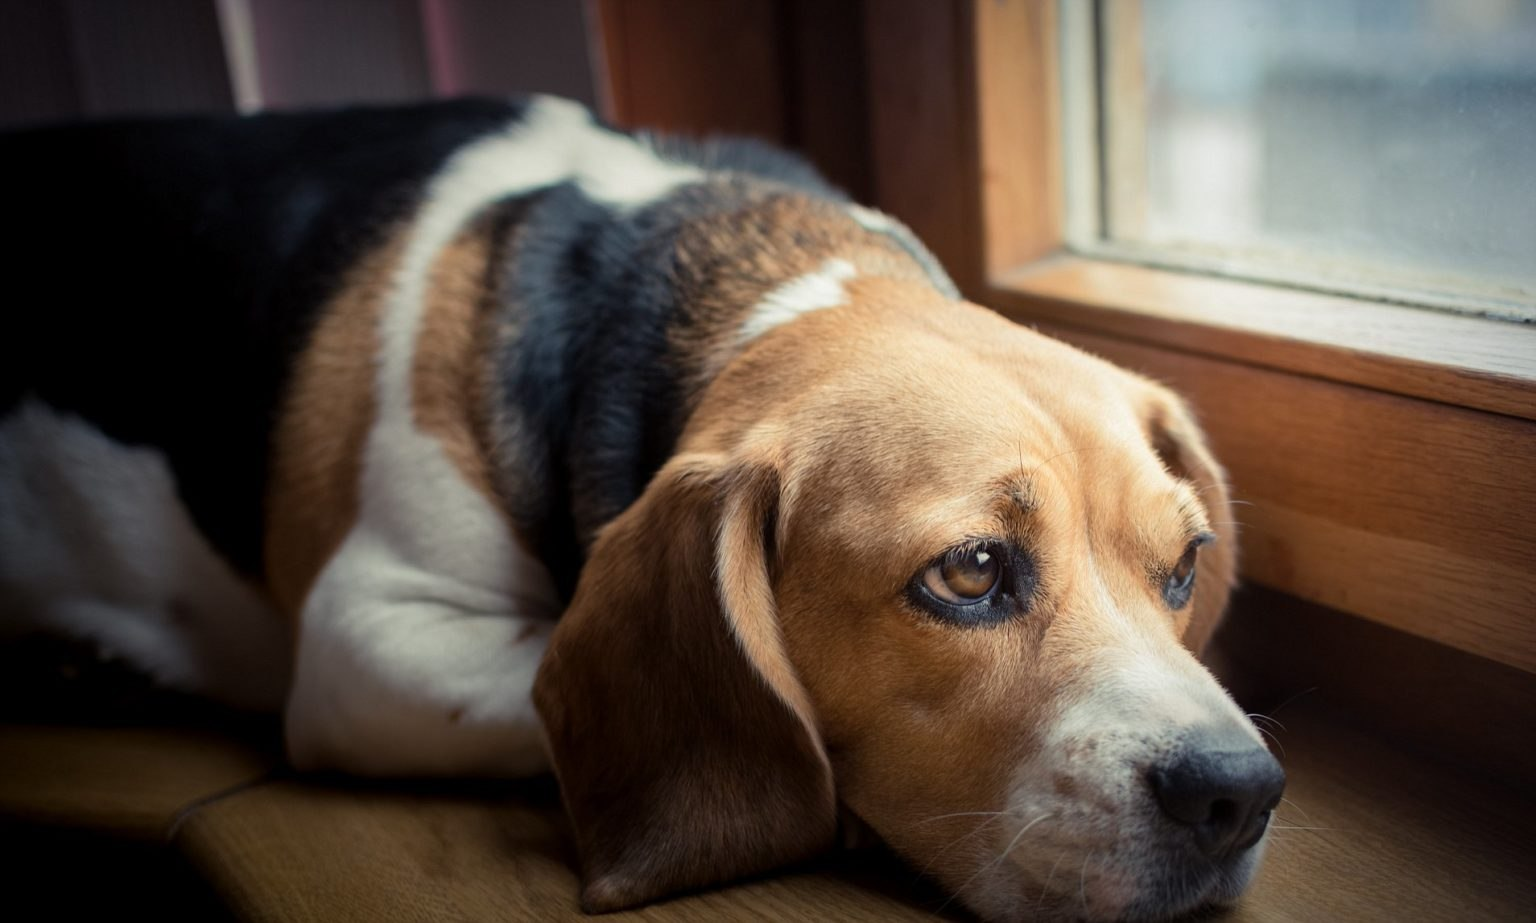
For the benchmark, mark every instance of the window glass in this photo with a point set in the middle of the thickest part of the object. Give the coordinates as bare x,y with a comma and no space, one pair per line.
1385,144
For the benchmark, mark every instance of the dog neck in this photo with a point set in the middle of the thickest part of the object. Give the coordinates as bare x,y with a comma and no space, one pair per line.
610,325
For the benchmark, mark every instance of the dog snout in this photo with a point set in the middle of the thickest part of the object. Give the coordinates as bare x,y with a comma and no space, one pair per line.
1222,788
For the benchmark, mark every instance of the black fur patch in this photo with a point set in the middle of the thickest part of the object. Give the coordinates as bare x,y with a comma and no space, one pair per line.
590,374
164,274
167,274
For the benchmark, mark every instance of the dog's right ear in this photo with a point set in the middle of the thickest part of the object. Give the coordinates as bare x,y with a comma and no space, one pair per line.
1181,445
684,742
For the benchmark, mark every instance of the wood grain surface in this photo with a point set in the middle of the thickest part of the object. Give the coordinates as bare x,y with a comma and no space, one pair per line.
1368,832
1415,514
124,782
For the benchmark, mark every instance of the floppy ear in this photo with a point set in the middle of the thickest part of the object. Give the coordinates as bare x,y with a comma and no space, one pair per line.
685,746
1181,445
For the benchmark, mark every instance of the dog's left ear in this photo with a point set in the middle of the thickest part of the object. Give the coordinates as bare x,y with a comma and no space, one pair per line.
1181,445
684,742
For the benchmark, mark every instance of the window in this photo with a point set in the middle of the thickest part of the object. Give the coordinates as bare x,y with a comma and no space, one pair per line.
1382,148
1377,446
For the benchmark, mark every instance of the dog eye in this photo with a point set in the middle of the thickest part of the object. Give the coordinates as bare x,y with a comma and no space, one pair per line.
966,578
1181,580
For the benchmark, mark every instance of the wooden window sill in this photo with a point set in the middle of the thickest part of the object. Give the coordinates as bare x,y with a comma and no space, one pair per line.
1453,359
1381,453
1377,451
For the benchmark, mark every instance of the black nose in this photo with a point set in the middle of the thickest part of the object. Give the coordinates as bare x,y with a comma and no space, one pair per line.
1223,789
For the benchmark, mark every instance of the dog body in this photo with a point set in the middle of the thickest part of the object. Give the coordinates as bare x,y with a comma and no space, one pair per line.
345,410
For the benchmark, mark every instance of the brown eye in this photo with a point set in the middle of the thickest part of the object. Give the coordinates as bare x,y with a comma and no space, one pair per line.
966,578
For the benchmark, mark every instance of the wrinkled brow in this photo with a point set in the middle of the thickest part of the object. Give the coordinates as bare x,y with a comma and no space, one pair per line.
1014,496
1191,510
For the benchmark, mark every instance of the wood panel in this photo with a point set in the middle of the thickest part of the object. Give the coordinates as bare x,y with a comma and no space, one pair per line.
695,67
1456,359
1413,514
922,127
1386,448
294,851
131,782
827,94
1352,842
1369,831
788,71
1018,96
1275,651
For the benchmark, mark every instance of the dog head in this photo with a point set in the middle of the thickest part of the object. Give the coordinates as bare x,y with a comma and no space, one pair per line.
915,560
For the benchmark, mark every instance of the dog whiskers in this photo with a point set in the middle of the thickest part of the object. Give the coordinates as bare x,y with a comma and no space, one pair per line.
1270,734
981,825
1256,718
1275,824
995,862
1284,800
1046,888
936,817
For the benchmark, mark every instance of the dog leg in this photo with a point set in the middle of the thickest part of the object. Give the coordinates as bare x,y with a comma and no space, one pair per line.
403,672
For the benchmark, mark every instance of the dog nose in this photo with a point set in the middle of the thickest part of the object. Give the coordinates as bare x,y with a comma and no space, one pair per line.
1223,790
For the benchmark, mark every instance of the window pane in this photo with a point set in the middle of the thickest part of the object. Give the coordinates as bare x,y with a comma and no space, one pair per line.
1342,142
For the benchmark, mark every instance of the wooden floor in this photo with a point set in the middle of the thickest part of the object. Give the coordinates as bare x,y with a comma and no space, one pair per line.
1368,832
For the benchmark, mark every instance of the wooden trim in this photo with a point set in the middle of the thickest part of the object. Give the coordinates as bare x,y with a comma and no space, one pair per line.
922,127
1021,172
1123,73
1455,359
669,62
967,127
1403,511
1275,652
788,71
1385,450
605,30
827,98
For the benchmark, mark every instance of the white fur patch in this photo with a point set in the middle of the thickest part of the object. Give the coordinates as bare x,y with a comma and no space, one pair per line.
871,220
1127,711
814,291
420,640
96,545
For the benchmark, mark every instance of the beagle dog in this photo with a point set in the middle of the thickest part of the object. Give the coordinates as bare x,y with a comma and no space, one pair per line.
482,439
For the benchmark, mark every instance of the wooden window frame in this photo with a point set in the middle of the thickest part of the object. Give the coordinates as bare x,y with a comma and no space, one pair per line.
1388,451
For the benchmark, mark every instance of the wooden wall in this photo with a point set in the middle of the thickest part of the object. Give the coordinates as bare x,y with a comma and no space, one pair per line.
791,71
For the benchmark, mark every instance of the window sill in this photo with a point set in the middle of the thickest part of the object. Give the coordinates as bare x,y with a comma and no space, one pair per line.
1380,451
1452,359
1374,478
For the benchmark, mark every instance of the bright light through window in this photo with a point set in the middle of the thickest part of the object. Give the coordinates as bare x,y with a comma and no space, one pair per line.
1379,146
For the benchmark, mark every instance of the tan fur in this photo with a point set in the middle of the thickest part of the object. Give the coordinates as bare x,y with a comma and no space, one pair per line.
727,263
318,442
885,432
324,425
450,370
